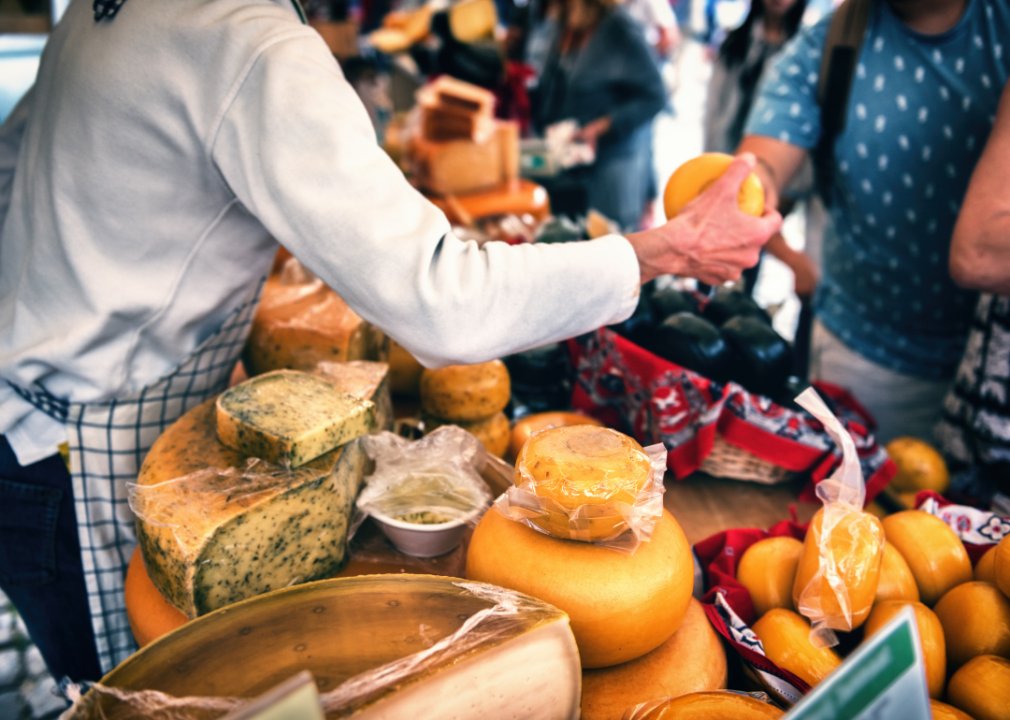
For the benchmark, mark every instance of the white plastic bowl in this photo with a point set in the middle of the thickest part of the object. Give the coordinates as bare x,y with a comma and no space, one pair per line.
420,540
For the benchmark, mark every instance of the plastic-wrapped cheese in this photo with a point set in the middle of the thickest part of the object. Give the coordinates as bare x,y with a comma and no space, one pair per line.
493,432
214,530
290,417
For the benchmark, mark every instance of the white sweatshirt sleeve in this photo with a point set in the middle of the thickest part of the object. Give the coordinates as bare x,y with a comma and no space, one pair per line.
297,148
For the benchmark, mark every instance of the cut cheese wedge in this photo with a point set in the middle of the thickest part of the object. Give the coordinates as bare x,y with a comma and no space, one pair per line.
206,546
419,647
290,417
692,660
365,380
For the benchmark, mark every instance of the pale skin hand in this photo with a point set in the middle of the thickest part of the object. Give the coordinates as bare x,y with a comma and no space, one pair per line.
711,239
591,132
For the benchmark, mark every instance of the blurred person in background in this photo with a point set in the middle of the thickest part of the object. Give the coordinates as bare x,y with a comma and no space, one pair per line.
601,72
736,71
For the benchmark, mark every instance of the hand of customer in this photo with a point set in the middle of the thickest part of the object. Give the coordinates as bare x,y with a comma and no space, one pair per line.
807,275
590,132
711,239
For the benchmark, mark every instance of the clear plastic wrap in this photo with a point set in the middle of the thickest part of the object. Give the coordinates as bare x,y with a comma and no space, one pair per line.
614,513
840,567
697,702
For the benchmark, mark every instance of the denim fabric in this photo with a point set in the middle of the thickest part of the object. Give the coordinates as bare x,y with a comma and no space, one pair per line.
40,563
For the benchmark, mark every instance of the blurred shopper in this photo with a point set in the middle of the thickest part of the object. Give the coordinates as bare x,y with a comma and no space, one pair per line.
736,71
657,19
891,325
974,430
601,73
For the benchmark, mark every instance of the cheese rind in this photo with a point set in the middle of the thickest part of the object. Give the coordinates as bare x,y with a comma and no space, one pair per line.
466,392
290,417
204,549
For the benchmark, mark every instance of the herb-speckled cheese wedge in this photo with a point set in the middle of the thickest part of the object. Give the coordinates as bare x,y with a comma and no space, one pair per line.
290,417
366,380
241,546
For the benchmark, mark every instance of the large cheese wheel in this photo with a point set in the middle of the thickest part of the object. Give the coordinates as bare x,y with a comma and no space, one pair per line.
149,613
931,635
621,606
768,571
692,660
934,554
981,688
985,568
1001,565
855,547
580,465
785,636
205,549
943,711
976,620
896,579
714,706
466,392
493,431
541,421
520,662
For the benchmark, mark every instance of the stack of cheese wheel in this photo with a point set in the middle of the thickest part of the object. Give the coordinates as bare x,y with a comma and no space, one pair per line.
472,397
639,633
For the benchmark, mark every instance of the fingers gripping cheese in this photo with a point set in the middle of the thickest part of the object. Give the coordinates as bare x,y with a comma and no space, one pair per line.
785,637
205,549
695,177
934,554
466,392
621,606
768,571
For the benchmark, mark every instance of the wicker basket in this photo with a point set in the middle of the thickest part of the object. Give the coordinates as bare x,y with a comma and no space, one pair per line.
729,461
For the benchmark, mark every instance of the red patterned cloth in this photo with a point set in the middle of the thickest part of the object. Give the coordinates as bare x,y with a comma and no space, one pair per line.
654,400
978,529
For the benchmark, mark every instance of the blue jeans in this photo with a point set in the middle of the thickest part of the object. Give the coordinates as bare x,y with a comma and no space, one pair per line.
40,563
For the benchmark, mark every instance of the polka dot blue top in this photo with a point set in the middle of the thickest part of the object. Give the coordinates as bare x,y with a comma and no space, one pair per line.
919,115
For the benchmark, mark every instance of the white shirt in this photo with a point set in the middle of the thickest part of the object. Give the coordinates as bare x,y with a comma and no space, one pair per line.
147,177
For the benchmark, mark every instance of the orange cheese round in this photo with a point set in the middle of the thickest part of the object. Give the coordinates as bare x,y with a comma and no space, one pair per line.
692,660
466,392
785,636
695,177
934,649
896,579
985,568
493,432
1001,565
856,546
768,571
541,421
981,688
620,606
715,706
149,613
934,554
976,621
920,466
943,711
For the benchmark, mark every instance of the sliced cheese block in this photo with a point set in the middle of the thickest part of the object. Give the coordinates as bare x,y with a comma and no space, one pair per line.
785,636
205,549
714,706
982,688
896,579
364,380
934,554
985,568
298,326
931,636
621,606
289,417
768,570
692,660
466,392
518,662
494,431
976,621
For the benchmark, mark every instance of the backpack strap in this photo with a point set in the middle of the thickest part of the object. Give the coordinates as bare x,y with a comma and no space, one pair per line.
838,67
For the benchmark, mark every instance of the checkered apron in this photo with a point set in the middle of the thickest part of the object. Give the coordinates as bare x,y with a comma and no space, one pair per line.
108,442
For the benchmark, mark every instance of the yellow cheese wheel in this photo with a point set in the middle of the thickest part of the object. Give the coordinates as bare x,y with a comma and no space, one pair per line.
943,711
981,688
768,570
715,706
896,579
985,568
934,554
934,649
404,371
695,177
621,606
692,660
580,465
976,620
785,636
530,424
466,392
920,466
1002,565
494,431
855,546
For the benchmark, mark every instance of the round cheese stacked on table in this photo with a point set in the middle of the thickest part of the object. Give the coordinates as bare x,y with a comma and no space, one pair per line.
472,397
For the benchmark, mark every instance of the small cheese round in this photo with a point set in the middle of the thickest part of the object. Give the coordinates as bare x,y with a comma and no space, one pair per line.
785,636
715,706
985,568
768,570
934,553
466,392
621,606
896,579
692,660
976,620
581,465
931,635
530,424
981,688
493,431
